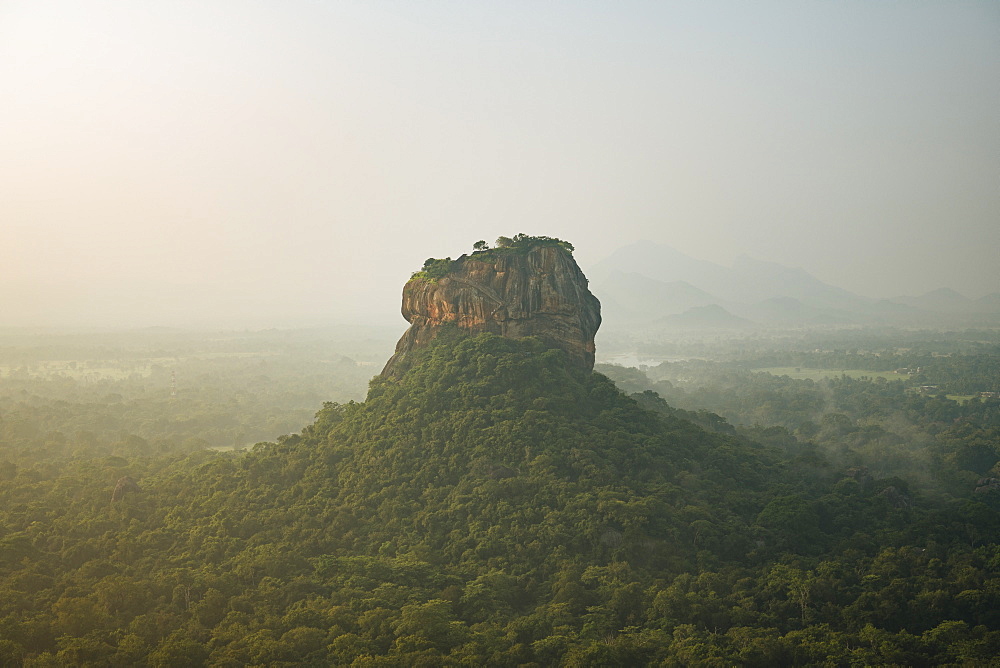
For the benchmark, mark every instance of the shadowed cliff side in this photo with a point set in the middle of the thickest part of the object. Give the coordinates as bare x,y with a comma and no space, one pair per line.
529,286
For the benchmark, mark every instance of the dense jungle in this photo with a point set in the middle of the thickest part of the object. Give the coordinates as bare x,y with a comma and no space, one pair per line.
496,506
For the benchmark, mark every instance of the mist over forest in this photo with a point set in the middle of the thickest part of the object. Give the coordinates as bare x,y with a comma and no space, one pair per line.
706,495
499,334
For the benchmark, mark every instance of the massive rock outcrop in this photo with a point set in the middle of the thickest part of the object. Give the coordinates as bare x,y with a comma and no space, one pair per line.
530,288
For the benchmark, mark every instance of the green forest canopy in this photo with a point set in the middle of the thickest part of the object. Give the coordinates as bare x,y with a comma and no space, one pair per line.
495,506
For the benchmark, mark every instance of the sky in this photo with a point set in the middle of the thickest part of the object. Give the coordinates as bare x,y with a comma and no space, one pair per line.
288,162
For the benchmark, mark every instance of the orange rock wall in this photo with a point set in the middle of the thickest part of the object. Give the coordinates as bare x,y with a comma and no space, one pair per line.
540,293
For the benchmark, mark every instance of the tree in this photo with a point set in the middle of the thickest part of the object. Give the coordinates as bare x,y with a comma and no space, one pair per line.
480,246
178,651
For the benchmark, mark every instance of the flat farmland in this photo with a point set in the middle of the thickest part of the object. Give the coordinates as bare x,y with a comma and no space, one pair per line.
819,374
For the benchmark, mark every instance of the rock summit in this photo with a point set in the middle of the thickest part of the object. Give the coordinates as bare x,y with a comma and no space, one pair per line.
526,286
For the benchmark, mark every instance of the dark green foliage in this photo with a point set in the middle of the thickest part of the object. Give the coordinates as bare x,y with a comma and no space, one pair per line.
884,426
520,244
495,506
523,242
434,269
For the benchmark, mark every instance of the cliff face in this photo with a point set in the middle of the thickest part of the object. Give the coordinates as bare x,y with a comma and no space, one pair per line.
538,292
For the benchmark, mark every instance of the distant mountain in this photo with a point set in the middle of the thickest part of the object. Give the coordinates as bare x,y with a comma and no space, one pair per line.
755,280
661,263
711,316
789,310
989,303
940,300
631,296
651,280
645,281
946,306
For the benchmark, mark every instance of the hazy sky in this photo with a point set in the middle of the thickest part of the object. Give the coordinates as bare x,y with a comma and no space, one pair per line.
175,162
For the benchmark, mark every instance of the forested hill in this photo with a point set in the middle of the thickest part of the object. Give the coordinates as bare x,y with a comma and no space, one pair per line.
494,505
496,453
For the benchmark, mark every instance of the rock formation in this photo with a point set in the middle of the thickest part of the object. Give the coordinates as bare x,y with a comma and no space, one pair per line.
124,486
532,287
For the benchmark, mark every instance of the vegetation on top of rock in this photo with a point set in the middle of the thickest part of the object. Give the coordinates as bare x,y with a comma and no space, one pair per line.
524,242
435,268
